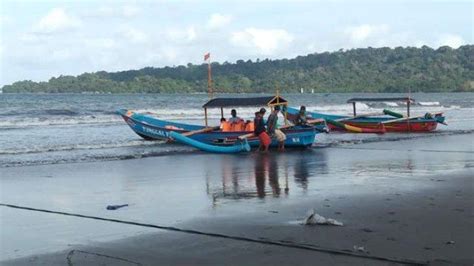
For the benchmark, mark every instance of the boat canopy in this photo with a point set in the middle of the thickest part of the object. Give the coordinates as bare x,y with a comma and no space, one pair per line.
408,100
384,99
247,101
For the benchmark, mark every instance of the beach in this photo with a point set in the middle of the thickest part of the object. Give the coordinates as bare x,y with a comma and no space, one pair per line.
407,201
139,132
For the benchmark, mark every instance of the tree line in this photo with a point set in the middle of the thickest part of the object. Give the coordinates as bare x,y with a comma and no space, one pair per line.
357,70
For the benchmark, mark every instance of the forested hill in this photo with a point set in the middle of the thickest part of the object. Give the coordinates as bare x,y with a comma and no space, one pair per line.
358,70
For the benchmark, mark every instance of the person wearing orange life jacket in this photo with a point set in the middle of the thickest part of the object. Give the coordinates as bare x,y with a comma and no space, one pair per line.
225,126
236,122
234,119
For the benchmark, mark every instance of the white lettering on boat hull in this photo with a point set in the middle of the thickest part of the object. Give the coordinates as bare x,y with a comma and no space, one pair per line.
158,132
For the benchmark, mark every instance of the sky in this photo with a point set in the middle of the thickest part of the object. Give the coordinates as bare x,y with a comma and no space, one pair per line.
44,39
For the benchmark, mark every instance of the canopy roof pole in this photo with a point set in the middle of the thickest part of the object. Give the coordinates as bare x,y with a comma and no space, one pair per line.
354,108
408,108
205,116
222,112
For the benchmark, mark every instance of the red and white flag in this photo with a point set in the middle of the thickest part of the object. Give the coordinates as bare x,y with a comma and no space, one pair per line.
207,56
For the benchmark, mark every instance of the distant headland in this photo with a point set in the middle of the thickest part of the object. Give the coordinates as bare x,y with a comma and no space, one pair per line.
357,70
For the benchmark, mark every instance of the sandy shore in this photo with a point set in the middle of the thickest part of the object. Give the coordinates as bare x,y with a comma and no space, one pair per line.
405,201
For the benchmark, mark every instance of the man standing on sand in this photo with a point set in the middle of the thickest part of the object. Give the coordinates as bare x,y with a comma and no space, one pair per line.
274,131
260,131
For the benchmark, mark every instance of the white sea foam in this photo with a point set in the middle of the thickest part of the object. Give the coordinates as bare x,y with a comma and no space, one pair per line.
183,114
338,108
429,103
19,122
392,104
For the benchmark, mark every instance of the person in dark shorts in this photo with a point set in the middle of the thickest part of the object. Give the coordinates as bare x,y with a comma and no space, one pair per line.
260,131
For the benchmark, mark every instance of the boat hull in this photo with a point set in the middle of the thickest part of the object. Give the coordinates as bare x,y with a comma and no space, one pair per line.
406,126
151,128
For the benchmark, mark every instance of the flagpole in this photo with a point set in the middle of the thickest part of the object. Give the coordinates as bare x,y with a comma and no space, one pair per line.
209,80
207,57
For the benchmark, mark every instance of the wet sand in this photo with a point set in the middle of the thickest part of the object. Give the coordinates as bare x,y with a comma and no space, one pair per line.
408,201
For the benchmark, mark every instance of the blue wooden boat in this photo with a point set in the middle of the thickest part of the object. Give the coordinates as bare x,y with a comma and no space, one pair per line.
152,128
386,121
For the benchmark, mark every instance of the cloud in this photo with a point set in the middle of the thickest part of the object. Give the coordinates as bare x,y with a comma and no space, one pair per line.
451,40
57,20
132,34
130,11
379,35
169,53
126,11
187,34
266,41
100,43
217,21
61,55
361,33
30,38
4,20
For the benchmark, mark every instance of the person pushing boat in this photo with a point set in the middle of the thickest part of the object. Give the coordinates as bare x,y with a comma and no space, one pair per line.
260,131
273,130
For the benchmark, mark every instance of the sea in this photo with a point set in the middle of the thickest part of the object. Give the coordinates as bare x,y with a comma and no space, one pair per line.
70,128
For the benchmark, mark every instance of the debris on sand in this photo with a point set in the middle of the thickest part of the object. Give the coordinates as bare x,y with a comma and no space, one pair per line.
115,207
313,218
359,249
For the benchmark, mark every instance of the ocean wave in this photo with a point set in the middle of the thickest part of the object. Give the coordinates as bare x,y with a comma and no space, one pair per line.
41,112
197,114
428,103
21,122
136,143
391,104
171,150
155,149
63,112
338,108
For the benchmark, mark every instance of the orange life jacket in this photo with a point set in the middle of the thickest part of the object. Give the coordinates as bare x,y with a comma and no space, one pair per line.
250,126
226,126
240,126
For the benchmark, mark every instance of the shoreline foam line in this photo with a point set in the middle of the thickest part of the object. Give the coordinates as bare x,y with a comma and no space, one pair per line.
238,238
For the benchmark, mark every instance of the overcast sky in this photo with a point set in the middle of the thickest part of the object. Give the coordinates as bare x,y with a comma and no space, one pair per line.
41,39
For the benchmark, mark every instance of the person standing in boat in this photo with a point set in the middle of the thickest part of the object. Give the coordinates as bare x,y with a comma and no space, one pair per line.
234,119
301,118
236,123
260,131
273,130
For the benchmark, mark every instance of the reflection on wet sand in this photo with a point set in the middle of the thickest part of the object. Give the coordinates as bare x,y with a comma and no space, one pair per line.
248,178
